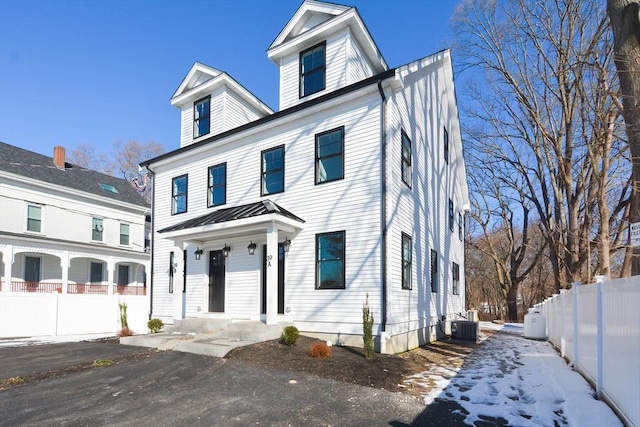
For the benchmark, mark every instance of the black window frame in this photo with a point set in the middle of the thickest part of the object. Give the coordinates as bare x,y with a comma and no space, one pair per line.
211,187
434,271
31,220
128,234
322,69
451,214
446,145
174,195
264,173
406,162
460,226
455,278
319,158
197,120
407,264
319,262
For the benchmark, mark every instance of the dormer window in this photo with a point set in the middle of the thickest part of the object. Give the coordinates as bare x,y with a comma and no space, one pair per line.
201,117
312,70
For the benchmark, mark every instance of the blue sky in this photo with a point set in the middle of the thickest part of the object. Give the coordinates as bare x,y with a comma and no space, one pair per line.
98,71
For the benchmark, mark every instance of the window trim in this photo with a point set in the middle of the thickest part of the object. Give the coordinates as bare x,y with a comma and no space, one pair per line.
262,172
128,234
455,278
434,271
408,285
451,214
174,196
41,221
317,261
195,121
318,158
406,163
210,187
301,93
446,145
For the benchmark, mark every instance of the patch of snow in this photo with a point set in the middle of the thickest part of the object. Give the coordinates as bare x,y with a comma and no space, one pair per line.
53,339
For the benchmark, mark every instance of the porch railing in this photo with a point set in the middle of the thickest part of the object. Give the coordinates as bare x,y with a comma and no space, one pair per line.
72,288
40,287
129,290
91,288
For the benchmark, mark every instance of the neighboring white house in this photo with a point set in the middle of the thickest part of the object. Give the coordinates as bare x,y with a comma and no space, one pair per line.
354,190
68,229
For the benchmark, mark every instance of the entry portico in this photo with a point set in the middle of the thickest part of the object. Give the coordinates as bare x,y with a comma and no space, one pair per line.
261,224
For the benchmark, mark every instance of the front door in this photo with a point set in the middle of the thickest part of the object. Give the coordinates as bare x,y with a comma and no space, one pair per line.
216,281
280,279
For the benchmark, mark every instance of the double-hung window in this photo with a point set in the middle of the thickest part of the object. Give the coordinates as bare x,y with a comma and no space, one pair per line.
446,146
455,272
407,257
272,169
434,271
330,270
217,185
312,70
201,117
179,195
450,214
124,234
330,155
406,159
97,229
34,218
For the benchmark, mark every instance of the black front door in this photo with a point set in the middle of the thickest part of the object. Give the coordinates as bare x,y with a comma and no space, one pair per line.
280,279
216,281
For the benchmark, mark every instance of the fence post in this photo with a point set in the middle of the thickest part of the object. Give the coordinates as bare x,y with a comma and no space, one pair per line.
599,337
576,332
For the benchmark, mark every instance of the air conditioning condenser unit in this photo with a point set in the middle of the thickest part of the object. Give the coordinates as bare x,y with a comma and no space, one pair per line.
465,330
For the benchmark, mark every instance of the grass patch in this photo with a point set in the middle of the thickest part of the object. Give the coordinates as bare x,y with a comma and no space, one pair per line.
102,362
12,381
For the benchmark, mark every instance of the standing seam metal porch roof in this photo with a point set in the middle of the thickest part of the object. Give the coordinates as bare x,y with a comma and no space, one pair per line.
263,207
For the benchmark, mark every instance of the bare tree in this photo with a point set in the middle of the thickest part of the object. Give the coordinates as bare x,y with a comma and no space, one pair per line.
625,23
540,112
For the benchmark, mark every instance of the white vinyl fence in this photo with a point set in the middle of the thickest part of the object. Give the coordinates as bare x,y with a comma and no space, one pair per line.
597,328
46,314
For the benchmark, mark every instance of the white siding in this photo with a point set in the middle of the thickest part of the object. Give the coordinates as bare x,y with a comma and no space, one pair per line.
358,66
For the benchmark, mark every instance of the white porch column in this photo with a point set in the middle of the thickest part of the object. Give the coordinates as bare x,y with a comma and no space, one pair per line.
111,267
272,275
7,259
64,264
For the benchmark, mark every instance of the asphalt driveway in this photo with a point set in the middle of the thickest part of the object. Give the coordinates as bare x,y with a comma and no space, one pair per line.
173,388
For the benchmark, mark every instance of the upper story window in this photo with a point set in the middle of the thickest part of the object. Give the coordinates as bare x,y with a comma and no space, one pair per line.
406,159
97,229
455,272
217,187
201,117
330,155
330,260
124,234
450,214
407,257
272,169
312,70
460,224
446,145
434,270
179,194
34,218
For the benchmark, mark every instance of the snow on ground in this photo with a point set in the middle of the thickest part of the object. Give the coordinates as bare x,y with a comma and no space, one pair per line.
26,341
518,382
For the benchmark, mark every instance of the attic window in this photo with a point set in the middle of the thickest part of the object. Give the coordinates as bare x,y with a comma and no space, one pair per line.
312,70
201,114
109,188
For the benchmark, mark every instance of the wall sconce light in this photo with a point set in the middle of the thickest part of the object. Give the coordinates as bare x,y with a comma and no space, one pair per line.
286,244
252,248
198,253
226,250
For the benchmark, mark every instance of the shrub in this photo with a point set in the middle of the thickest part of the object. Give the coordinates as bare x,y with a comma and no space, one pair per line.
320,349
126,332
155,325
290,335
367,330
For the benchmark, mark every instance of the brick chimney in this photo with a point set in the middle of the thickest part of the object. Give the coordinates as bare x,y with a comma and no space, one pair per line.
58,157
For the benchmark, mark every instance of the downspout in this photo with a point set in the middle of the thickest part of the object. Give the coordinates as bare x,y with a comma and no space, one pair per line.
152,239
383,213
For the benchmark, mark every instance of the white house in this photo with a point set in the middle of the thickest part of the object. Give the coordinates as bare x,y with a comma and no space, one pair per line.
354,190
68,229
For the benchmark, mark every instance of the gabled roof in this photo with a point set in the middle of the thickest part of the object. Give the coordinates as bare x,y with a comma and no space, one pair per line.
250,210
316,19
203,79
35,166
